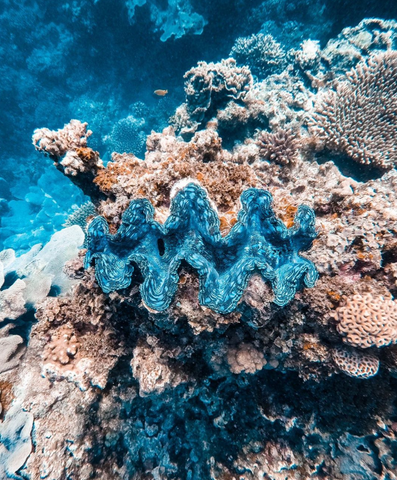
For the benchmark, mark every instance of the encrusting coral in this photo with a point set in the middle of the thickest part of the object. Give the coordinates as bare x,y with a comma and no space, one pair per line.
355,363
257,242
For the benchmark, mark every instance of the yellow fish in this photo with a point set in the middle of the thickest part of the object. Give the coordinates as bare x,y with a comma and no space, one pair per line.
161,93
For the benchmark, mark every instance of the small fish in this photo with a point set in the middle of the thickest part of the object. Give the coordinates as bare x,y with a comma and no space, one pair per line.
161,93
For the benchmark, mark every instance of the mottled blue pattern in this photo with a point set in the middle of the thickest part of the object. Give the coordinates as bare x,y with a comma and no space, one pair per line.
258,242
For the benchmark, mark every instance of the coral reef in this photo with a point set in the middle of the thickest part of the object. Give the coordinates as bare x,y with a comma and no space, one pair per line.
260,52
358,117
159,352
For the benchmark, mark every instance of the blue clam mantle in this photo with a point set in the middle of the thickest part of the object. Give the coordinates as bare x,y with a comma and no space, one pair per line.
258,243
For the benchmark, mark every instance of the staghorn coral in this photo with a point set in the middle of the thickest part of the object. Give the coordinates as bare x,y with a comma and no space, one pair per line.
281,147
367,320
257,242
358,118
355,363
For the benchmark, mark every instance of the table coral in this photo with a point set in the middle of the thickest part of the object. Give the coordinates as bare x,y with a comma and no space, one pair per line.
358,117
257,242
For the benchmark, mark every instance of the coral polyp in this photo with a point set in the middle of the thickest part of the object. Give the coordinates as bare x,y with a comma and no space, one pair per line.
257,243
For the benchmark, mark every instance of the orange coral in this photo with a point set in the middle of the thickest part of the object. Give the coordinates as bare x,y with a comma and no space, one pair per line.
224,181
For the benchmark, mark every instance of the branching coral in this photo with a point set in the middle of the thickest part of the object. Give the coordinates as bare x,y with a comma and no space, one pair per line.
257,242
260,52
368,320
359,118
71,137
281,147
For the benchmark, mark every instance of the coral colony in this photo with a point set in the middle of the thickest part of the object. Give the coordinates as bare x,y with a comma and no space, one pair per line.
216,298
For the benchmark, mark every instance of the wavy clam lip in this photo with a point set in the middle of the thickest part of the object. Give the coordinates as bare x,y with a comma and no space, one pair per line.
257,243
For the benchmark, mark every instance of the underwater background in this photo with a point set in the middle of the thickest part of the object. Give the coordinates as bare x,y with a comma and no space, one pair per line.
198,239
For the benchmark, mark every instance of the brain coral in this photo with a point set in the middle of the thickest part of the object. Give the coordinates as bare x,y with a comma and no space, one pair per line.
257,243
359,117
355,363
367,320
